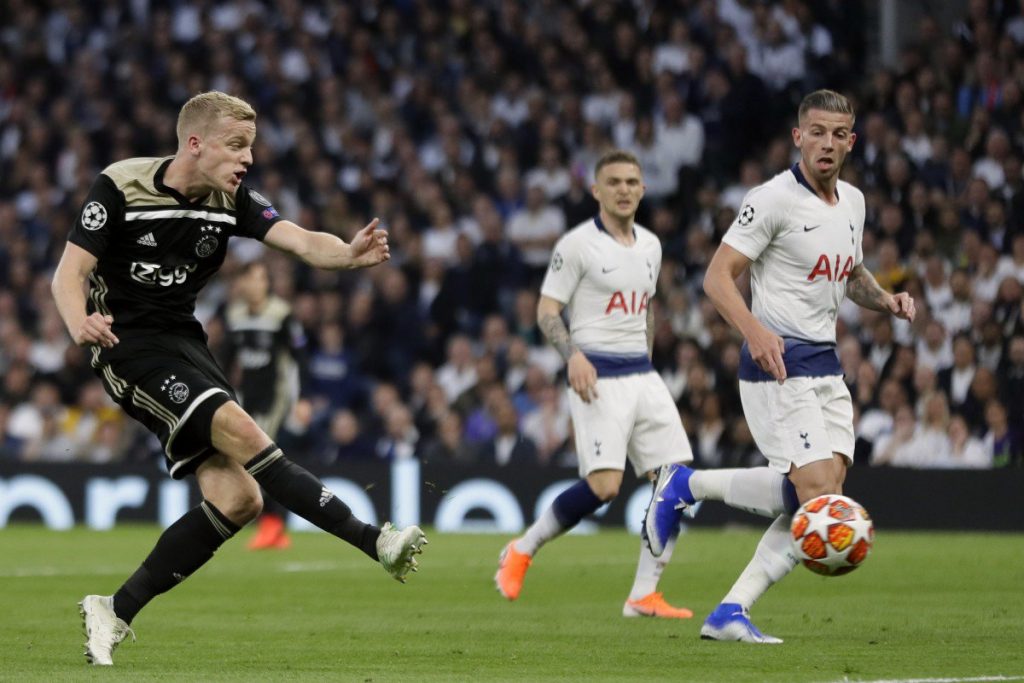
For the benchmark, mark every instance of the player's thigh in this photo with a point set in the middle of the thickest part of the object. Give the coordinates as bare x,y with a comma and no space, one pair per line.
174,398
837,410
658,436
225,483
787,422
236,434
602,427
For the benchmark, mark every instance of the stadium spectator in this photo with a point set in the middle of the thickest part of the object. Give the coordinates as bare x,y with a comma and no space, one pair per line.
397,113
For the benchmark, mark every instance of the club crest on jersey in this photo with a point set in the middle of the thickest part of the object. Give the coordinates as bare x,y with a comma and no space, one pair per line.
208,242
830,270
176,391
746,216
94,216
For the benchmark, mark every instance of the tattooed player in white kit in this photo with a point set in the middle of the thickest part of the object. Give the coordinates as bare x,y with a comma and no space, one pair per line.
800,236
605,271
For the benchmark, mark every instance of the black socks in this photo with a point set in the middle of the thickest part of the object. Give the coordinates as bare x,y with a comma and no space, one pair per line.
305,495
184,547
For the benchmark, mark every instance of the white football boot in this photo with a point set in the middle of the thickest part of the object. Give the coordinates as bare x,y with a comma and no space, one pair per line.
396,548
103,630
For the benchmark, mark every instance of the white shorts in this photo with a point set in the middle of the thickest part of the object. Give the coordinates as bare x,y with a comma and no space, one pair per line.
800,421
633,416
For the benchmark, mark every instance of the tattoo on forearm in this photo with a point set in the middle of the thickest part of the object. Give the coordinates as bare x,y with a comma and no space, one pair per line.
650,330
864,290
556,332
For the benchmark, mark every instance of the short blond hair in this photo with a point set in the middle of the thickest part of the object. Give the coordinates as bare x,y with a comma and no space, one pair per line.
198,113
616,156
825,100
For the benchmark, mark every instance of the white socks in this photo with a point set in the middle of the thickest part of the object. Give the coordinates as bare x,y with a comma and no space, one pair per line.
649,569
772,560
756,489
540,532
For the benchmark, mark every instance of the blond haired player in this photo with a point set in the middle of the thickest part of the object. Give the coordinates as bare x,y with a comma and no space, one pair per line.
151,234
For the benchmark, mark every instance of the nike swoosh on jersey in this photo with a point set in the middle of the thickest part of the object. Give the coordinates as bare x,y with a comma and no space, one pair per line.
608,270
806,229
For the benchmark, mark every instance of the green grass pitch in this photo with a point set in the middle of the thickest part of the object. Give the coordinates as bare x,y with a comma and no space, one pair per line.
925,605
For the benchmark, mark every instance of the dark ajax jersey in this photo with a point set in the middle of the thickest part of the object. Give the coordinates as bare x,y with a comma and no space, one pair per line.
269,349
155,249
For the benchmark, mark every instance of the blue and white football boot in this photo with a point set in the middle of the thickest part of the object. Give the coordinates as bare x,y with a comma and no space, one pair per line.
670,501
731,622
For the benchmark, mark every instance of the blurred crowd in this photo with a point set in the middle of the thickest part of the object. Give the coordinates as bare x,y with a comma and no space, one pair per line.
471,127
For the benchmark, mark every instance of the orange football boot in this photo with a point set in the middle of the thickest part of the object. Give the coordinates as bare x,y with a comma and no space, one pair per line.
654,605
512,566
270,534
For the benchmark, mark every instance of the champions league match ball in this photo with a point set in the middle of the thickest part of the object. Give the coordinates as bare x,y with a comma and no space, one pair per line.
832,534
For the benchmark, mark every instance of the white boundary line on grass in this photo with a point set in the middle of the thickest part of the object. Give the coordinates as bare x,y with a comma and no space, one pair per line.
111,570
974,679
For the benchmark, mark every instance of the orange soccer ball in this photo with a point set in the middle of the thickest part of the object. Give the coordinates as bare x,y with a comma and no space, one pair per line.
832,534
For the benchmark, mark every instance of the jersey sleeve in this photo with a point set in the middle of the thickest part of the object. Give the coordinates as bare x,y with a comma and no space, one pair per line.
101,214
858,256
254,214
757,222
564,271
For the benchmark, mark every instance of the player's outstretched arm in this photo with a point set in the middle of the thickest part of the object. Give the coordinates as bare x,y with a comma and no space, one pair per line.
324,250
68,288
864,290
766,348
581,372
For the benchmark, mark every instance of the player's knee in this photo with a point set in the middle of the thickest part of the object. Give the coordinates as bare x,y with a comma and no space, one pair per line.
245,506
604,490
816,480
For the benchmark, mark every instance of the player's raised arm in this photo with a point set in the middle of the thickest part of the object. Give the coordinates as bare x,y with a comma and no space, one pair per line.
68,287
324,250
766,347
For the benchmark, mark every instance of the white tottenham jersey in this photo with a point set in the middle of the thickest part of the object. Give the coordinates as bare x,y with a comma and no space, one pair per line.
803,251
606,286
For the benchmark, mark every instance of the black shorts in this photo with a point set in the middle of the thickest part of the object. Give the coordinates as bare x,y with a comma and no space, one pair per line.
173,386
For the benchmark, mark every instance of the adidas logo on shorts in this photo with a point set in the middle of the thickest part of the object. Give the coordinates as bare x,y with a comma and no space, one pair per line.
147,240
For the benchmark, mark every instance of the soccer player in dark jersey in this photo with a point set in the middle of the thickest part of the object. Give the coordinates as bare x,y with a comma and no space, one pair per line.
266,346
151,234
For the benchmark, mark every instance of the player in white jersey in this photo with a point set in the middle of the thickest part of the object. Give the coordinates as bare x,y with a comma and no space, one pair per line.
800,236
605,271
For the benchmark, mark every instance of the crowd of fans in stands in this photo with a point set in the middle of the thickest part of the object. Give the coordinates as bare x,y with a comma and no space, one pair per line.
471,129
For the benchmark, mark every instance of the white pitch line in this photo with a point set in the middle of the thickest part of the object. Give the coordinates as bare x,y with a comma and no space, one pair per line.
974,679
37,572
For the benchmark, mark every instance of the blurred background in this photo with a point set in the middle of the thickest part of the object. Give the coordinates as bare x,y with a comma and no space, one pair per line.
471,129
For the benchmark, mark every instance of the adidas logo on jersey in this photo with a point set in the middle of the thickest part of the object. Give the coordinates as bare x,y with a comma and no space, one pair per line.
147,240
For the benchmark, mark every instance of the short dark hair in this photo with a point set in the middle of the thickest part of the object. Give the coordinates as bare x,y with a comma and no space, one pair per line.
825,100
616,156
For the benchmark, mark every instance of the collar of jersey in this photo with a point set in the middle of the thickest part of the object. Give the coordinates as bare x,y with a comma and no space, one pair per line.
158,183
600,226
800,178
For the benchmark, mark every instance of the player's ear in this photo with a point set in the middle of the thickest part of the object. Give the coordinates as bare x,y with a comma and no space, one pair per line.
853,139
796,137
194,144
